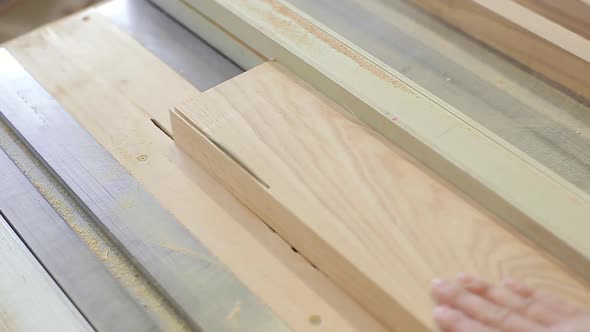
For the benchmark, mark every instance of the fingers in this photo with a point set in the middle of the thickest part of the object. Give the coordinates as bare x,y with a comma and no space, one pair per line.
519,299
481,309
451,320
564,309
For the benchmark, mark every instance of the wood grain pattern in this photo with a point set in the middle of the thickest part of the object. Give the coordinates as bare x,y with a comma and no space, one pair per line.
517,42
464,152
377,223
540,26
109,92
31,300
571,14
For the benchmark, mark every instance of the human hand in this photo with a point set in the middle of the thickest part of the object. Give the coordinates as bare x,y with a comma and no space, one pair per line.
468,304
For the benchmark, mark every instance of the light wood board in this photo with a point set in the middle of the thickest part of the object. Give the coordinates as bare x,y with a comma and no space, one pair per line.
364,212
31,300
99,75
541,26
529,38
571,14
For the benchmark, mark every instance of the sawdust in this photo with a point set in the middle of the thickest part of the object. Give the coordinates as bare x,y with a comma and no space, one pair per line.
127,203
284,25
115,261
137,286
235,311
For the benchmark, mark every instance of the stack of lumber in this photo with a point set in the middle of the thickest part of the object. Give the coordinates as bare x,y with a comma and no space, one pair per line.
549,37
328,222
478,162
366,214
490,171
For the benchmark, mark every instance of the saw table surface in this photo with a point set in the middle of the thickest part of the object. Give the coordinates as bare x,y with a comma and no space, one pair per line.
118,105
106,81
155,265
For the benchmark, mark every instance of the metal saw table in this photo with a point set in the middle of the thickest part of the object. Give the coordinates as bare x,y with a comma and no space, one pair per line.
82,216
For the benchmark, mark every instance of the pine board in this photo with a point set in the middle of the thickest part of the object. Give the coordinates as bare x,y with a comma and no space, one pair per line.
109,92
571,14
368,215
541,26
512,102
527,37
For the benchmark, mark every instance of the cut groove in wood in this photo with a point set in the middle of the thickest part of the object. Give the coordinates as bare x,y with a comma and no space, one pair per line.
366,214
162,128
225,150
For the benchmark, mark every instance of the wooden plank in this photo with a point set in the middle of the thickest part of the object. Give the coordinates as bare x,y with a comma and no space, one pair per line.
540,26
29,292
533,41
365,213
117,86
463,152
571,14
515,104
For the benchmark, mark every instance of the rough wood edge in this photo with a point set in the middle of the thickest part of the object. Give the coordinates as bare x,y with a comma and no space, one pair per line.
485,167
